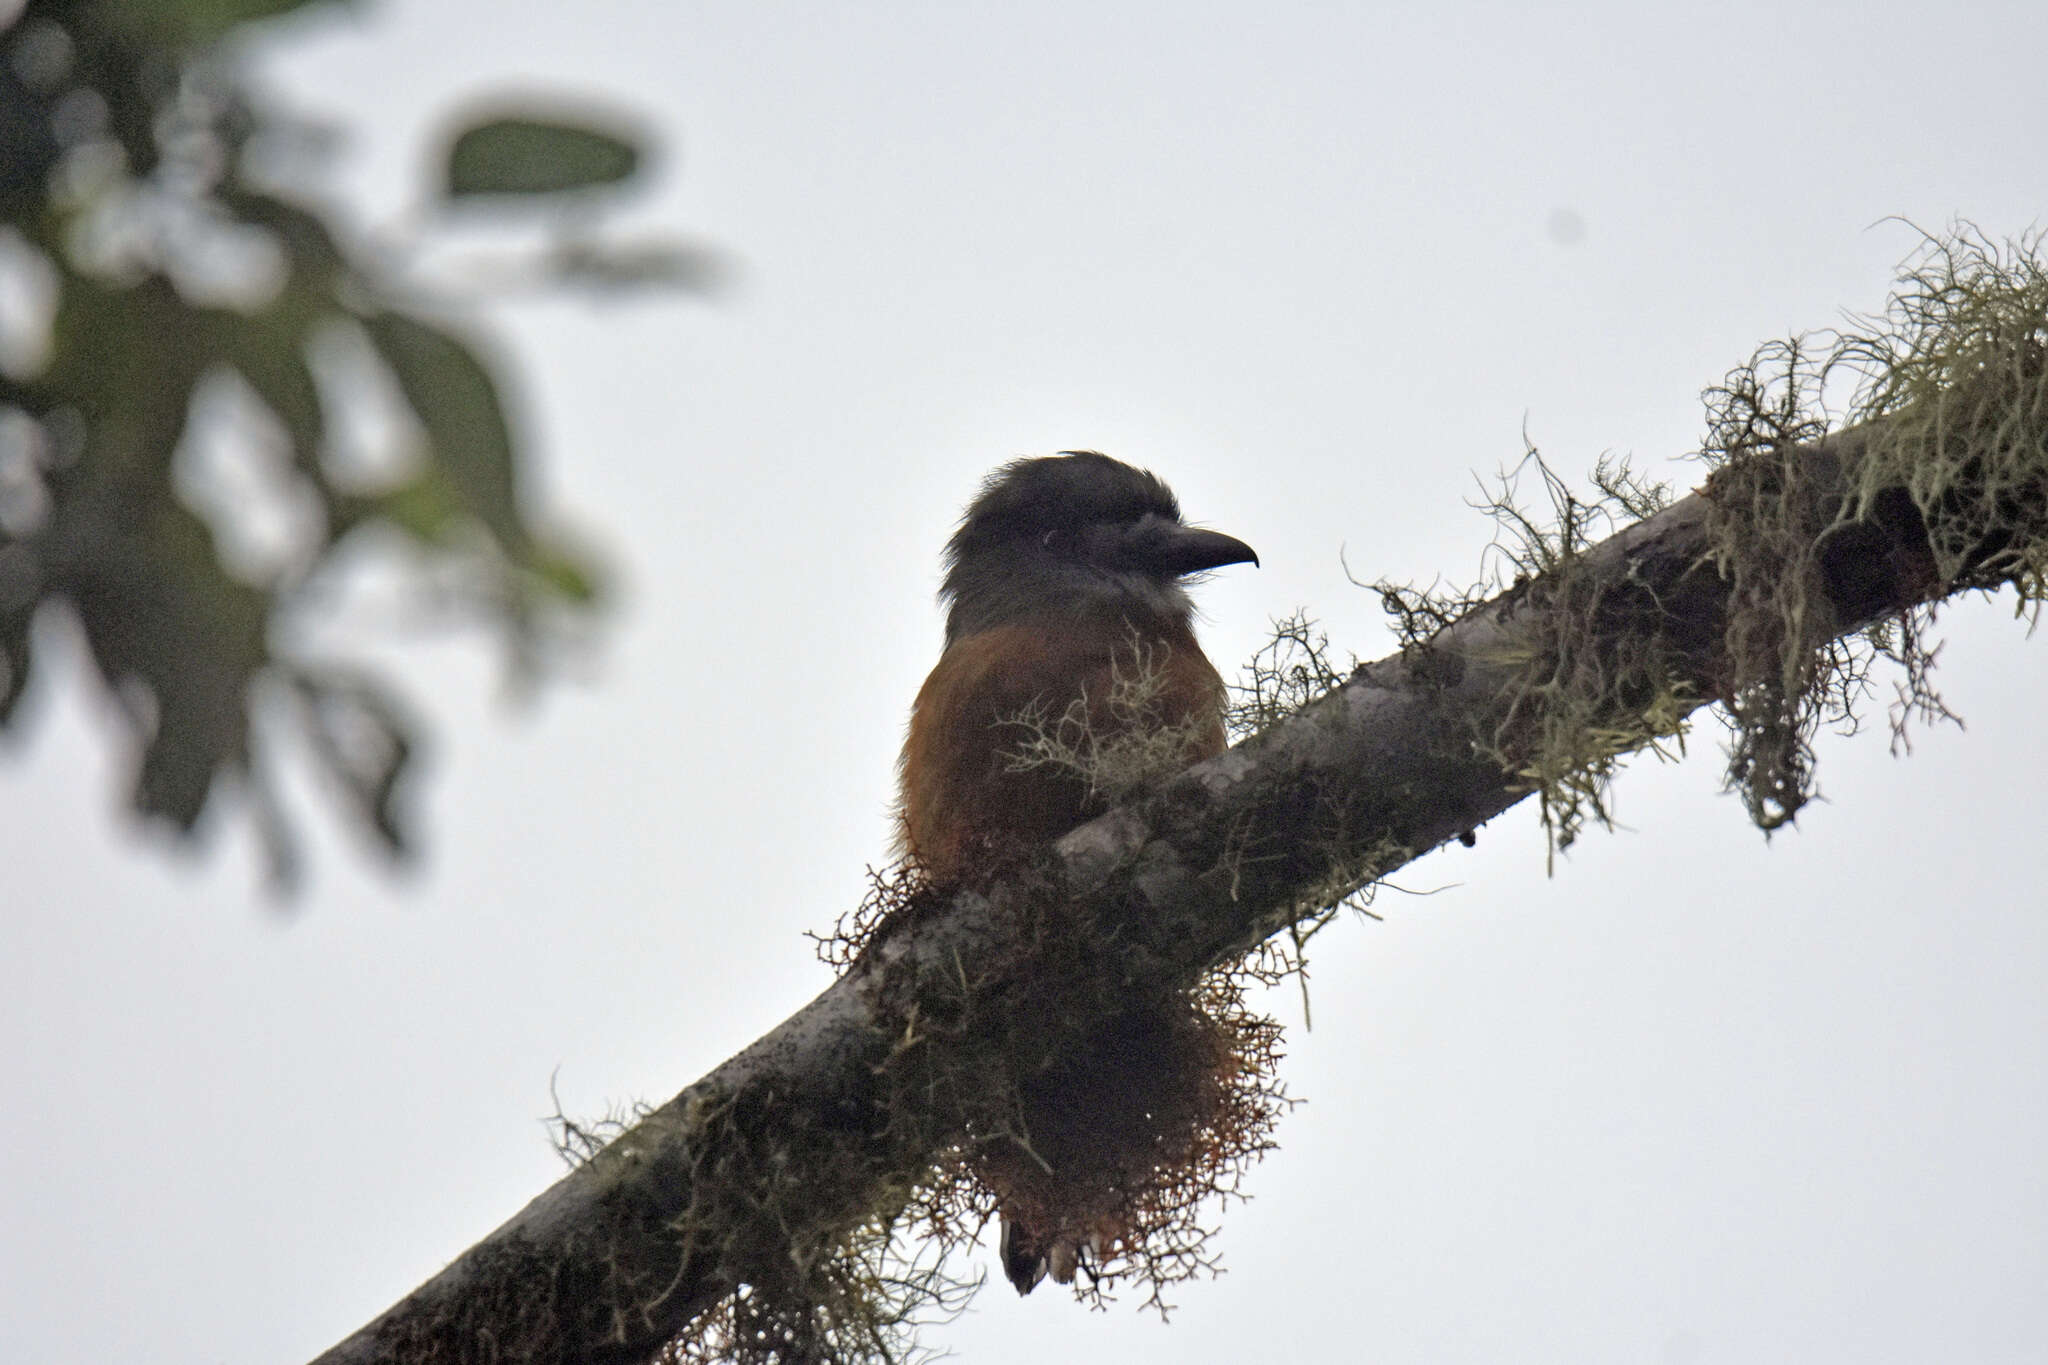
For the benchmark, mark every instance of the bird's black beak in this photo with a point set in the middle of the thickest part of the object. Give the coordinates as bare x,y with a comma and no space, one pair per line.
1167,547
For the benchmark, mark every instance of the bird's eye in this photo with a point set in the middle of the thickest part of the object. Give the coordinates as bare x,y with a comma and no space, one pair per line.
1049,539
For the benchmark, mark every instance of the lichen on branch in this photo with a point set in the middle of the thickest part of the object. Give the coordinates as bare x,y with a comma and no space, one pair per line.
1943,427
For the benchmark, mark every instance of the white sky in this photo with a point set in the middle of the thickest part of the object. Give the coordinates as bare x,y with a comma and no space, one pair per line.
1697,1099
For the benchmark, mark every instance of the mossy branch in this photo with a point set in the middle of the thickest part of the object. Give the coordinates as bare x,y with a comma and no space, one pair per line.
823,1132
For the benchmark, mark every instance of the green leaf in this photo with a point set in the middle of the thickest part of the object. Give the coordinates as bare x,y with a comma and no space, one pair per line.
265,350
425,508
15,656
28,148
126,357
305,238
190,21
160,613
565,573
522,155
457,402
630,265
268,348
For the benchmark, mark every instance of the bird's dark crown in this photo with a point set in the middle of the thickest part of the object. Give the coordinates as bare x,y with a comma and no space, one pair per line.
1070,534
1057,495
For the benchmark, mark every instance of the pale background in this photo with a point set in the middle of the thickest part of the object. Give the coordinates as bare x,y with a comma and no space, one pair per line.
1699,1098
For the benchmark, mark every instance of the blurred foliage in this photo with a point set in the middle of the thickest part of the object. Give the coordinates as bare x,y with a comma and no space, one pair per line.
515,155
216,402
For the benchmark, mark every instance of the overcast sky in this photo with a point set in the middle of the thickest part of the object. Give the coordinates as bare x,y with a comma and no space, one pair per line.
1697,1098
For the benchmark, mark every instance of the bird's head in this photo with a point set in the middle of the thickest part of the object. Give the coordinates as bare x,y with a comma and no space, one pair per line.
1071,533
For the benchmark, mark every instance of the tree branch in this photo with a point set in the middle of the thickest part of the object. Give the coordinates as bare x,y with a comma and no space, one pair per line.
832,1117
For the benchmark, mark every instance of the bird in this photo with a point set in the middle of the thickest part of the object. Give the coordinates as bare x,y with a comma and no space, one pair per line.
1070,673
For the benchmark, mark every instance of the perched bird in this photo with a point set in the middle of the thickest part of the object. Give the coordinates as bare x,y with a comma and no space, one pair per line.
1070,666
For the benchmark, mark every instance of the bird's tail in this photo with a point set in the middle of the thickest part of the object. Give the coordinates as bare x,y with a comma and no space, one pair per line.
1028,1258
1023,1261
